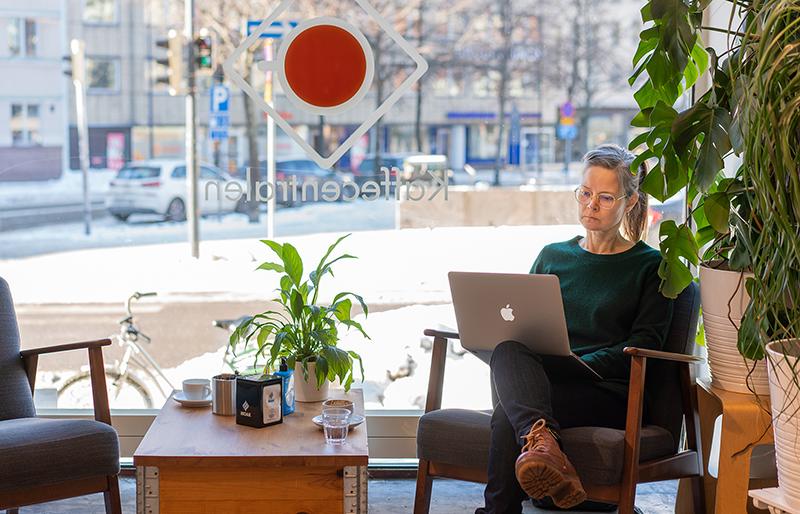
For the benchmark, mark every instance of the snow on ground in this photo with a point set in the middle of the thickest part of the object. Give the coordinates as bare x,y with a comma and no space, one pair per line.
66,189
393,266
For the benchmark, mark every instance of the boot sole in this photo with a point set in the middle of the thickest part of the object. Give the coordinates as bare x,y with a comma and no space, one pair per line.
538,480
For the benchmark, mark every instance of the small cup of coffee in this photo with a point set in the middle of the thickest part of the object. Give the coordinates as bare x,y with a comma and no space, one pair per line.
197,388
342,404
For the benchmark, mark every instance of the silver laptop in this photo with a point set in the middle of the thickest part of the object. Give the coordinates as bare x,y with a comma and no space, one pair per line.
495,307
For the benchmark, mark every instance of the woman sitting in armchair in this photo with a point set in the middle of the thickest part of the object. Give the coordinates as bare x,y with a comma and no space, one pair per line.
610,289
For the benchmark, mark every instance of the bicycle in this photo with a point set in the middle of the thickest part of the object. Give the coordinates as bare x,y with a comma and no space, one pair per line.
125,389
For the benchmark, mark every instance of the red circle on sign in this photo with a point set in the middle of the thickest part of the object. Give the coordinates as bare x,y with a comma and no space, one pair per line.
325,65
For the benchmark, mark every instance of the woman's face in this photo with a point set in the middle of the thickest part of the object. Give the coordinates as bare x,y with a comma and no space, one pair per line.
598,180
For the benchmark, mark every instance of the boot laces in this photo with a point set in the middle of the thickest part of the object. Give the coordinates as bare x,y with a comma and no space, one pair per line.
536,437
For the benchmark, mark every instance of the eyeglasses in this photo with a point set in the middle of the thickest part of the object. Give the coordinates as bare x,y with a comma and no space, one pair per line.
604,200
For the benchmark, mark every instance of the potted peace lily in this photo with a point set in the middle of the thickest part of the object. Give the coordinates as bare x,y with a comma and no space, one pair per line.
301,330
750,222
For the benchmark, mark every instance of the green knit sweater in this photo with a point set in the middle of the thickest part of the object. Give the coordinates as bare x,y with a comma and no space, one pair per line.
610,302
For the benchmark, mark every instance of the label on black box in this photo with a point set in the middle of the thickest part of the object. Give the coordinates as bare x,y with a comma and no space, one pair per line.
272,403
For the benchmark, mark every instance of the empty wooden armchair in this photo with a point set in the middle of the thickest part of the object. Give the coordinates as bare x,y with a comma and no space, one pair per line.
43,460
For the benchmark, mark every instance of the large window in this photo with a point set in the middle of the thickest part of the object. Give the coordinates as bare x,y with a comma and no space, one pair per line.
100,11
23,38
102,74
482,143
486,83
62,277
447,83
25,124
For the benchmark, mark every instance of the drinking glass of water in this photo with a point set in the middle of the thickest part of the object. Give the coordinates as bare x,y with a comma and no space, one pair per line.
335,422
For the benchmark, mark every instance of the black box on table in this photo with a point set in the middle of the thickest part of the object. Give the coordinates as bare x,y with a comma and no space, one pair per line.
258,400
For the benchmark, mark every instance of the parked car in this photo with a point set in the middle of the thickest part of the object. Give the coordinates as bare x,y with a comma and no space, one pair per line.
410,166
158,186
307,173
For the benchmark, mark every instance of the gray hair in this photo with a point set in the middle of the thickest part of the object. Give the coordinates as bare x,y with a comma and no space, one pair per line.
615,158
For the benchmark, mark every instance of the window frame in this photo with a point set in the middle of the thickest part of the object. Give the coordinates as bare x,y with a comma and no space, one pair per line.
25,127
101,23
117,61
22,47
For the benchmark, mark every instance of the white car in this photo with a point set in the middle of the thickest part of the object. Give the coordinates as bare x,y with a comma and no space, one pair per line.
158,186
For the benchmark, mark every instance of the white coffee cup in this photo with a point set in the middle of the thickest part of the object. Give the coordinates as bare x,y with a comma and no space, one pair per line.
197,388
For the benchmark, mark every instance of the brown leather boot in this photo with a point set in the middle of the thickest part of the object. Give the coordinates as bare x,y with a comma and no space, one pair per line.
543,470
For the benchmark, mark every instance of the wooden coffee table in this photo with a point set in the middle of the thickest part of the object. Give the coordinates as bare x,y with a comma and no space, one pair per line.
192,461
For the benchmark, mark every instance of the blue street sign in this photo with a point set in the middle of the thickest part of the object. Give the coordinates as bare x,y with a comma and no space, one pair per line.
219,120
218,128
567,132
277,30
514,137
219,99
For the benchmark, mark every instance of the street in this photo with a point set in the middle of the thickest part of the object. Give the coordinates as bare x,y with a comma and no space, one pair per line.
143,230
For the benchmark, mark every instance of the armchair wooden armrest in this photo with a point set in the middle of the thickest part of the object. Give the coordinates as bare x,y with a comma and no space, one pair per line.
30,359
633,421
65,347
432,332
438,360
656,354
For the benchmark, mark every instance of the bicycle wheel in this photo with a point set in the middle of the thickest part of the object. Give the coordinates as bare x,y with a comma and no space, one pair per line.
76,393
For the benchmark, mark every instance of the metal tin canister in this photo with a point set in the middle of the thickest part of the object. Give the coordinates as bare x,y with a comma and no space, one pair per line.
223,394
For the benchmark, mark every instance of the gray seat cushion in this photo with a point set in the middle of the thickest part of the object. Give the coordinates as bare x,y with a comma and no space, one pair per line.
461,437
39,452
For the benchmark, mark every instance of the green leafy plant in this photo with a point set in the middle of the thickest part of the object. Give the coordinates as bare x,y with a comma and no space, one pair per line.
301,330
748,221
690,146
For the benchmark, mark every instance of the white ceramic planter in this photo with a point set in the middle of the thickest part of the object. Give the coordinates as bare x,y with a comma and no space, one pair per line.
784,371
306,391
724,300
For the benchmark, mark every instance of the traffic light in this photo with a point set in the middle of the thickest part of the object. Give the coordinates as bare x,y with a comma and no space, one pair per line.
68,61
173,62
76,61
204,54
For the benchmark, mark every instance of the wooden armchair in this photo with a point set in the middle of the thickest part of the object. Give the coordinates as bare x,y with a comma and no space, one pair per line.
44,460
610,462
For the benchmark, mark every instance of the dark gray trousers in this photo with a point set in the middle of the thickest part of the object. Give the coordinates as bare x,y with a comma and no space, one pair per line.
525,395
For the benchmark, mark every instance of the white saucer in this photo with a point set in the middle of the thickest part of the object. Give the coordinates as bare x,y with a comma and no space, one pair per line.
355,420
183,400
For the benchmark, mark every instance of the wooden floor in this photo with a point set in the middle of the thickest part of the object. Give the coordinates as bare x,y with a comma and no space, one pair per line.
386,496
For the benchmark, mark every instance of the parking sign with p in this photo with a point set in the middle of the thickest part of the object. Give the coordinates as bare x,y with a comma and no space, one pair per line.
219,119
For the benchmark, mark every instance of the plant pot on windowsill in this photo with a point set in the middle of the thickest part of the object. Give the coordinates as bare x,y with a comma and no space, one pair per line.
784,383
724,300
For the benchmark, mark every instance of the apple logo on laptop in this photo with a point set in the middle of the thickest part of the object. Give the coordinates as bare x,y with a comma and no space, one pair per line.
507,313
